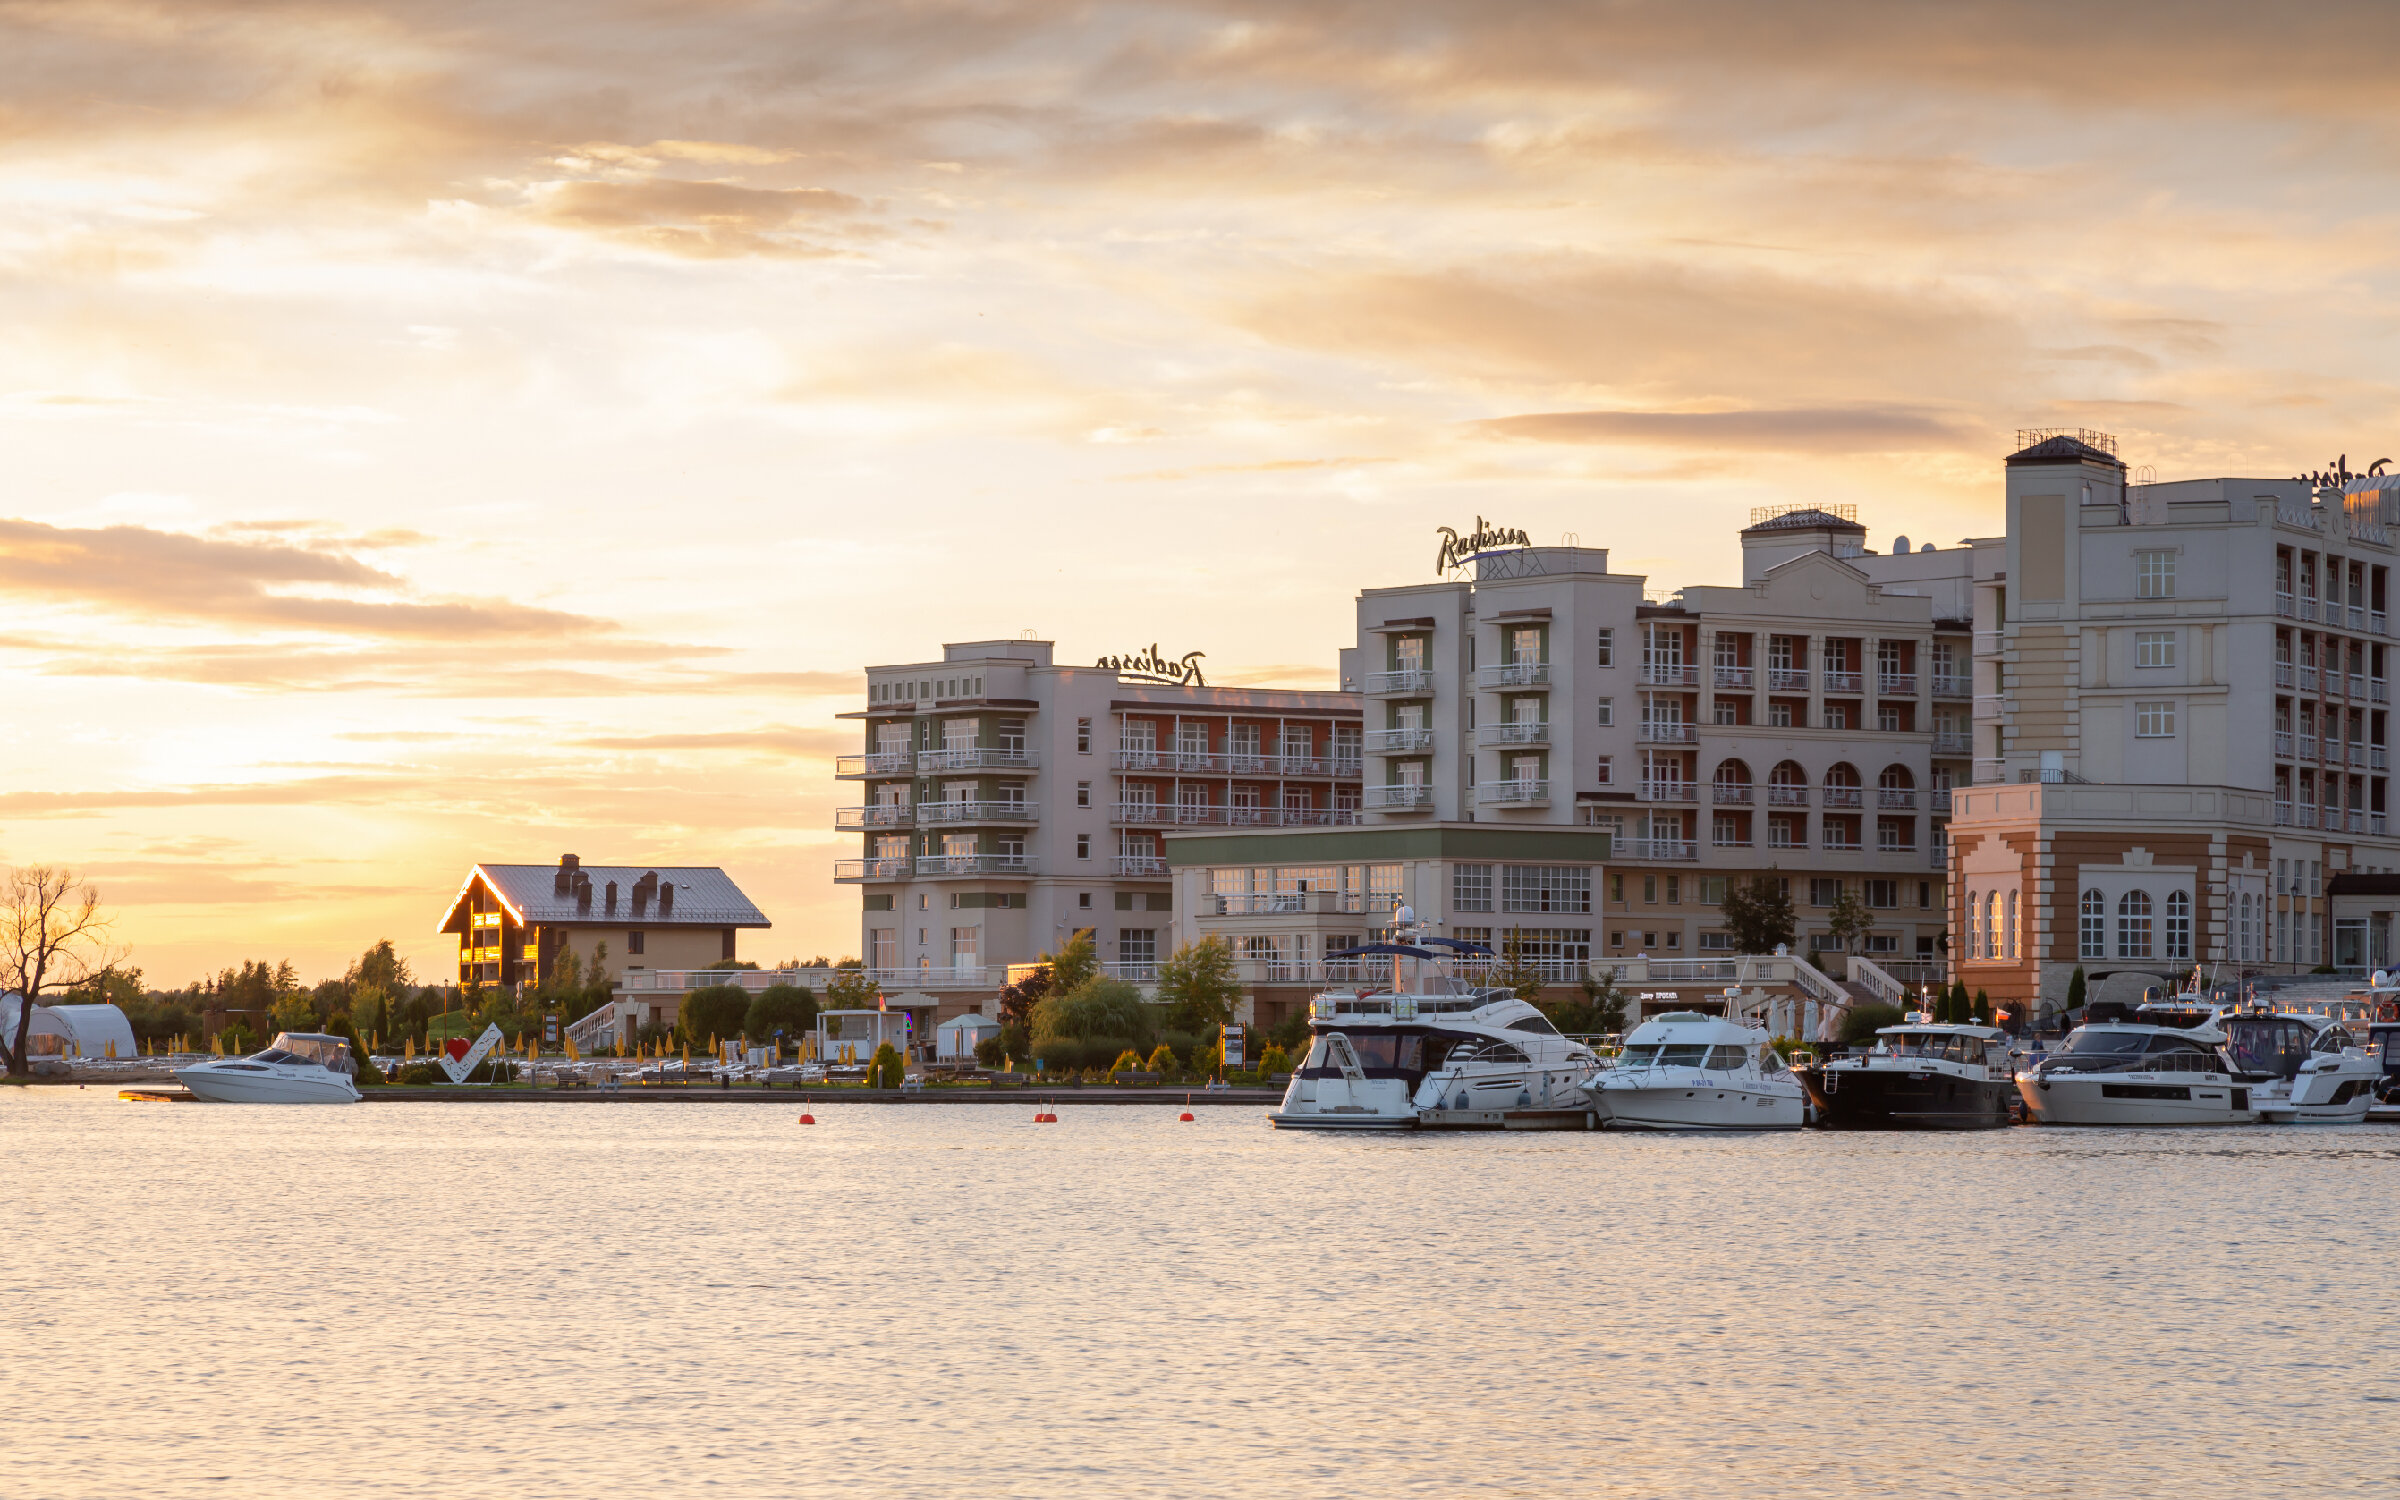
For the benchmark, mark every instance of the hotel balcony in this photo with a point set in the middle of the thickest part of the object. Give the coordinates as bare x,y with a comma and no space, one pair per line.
1681,850
1409,682
871,869
978,812
977,758
1139,866
1513,734
1514,674
1236,763
1953,687
1953,742
1844,682
1787,796
938,865
1843,796
1403,797
1222,815
1399,741
1941,799
1670,674
1730,793
1669,791
1669,732
1787,679
1896,685
2283,674
879,763
1734,679
874,815
1895,799
1512,794
1990,705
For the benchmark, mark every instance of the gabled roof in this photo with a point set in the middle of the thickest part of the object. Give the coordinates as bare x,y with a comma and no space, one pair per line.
705,896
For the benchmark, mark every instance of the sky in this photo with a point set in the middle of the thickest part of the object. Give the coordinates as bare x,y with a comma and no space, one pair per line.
475,432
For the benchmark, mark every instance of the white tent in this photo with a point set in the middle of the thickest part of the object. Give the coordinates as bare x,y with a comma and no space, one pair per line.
69,1030
954,1040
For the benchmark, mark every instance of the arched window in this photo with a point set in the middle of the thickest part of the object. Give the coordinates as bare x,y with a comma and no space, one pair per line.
1732,781
1974,927
1896,788
1991,923
2133,925
2179,925
2008,927
1787,785
1841,785
2095,926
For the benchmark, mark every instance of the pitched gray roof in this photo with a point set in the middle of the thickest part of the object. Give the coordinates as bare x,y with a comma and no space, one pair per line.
705,896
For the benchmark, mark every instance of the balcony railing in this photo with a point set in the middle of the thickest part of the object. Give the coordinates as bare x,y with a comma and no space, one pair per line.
1786,796
1142,864
1512,793
1838,842
1787,679
2308,679
1670,674
1941,799
2283,744
2358,757
2333,820
976,758
2378,824
1238,762
1011,811
1512,674
2283,674
1990,642
1728,838
1399,741
1896,684
2283,604
2358,820
1225,815
2283,815
2375,622
1898,798
2379,691
1670,791
2358,617
2308,607
877,763
1734,679
1513,734
1844,796
1953,687
974,864
1990,705
1953,742
1783,836
1890,843
1669,732
2358,685
1730,793
1402,797
940,977
874,815
2378,758
1685,850
1843,682
1418,680
871,869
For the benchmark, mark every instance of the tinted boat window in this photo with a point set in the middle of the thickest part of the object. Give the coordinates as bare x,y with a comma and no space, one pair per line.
1533,1023
2083,1041
1682,1056
1638,1057
1726,1059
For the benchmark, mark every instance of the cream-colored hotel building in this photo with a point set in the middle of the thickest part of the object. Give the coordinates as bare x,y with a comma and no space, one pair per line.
2140,725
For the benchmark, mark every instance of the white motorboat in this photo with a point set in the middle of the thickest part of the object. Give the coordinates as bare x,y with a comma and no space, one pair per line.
2302,1069
1687,1071
300,1068
2136,1073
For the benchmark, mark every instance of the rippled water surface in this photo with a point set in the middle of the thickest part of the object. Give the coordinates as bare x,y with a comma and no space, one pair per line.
688,1298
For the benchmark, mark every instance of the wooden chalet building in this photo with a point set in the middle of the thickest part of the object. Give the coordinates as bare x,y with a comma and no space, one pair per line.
514,921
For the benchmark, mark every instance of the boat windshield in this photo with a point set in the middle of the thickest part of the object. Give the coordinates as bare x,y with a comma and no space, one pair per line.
1949,1046
1682,1055
1638,1057
2334,1039
2086,1041
1493,1051
1539,1024
1377,1052
2273,1045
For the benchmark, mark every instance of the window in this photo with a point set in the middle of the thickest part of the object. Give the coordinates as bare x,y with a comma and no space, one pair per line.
1138,945
1616,889
2154,721
1674,890
2008,925
633,942
966,947
1606,770
2095,926
1083,899
1824,892
2154,575
2179,925
2154,648
1650,890
1883,893
1083,736
1779,714
1607,712
1716,942
1545,888
2133,925
1608,648
1083,794
1471,887
1712,892
1083,846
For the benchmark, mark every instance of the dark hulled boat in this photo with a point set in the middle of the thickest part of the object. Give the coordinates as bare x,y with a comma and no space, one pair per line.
1918,1076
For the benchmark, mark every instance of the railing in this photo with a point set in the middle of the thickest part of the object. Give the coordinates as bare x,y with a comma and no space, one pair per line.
1730,793
1816,984
2283,744
2358,757
1941,799
1840,841
2283,674
2379,691
2358,617
1734,678
1669,732
1889,841
815,977
2358,685
1898,798
2308,608
1512,793
1283,903
1787,679
2379,758
1872,977
1236,762
1224,815
939,977
1728,838
1953,687
1007,811
1398,741
1670,791
1843,796
1137,971
1915,973
1952,742
879,763
2283,815
2052,776
2358,820
1670,674
1990,705
1142,864
1404,797
2375,622
1513,734
2378,824
1779,795
1785,836
974,864
1990,642
871,869
1896,684
2283,604
1407,680
1684,850
1937,853
1989,769
873,815
976,757
1510,674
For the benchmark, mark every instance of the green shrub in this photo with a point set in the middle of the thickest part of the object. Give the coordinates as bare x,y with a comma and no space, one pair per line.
1274,1060
1059,1055
1162,1060
1983,1009
786,1011
886,1070
1127,1061
1861,1022
990,1052
716,1010
1099,1007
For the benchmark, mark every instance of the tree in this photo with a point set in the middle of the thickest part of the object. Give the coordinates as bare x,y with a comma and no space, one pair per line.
1099,1009
785,1010
1074,963
885,1070
2075,989
53,936
716,1010
293,1011
1983,1009
851,989
1601,1011
1018,1000
1759,912
1515,973
1199,985
380,967
1847,920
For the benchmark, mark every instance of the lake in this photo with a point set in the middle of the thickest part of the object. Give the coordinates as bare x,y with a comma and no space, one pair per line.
690,1298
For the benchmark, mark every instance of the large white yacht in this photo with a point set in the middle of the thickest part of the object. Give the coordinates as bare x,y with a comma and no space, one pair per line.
1688,1071
2137,1073
1433,1051
300,1068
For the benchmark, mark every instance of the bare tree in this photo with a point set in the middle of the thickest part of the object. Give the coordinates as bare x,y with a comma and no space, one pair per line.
53,936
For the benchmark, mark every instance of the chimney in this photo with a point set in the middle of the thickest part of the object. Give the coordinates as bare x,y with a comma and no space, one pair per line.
611,908
666,900
564,880
583,891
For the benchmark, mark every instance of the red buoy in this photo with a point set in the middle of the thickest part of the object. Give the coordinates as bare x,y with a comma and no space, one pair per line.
1187,1114
808,1119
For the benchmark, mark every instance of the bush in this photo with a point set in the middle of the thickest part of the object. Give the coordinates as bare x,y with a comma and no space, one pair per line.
1861,1022
1060,1054
785,1010
990,1053
490,1070
1162,1060
1274,1060
1099,1007
1127,1061
367,1074
718,1010
886,1070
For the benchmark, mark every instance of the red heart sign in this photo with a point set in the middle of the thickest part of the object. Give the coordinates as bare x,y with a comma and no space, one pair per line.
456,1047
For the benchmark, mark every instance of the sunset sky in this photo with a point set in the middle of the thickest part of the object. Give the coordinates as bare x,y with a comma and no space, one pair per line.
457,432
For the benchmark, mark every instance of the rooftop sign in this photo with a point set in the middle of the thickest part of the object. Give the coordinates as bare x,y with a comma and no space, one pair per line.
1458,551
1149,666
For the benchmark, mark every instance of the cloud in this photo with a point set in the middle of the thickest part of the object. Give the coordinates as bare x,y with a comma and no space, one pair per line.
702,219
1830,430
775,739
1268,466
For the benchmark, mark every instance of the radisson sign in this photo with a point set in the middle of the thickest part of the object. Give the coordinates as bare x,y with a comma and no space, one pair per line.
1149,666
1458,551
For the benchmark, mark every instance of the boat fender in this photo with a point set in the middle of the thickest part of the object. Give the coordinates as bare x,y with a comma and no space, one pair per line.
1524,1099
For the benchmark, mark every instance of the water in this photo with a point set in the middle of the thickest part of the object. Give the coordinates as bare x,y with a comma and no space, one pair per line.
693,1298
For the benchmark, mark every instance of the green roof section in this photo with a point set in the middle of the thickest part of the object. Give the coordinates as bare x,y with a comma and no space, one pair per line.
1448,841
